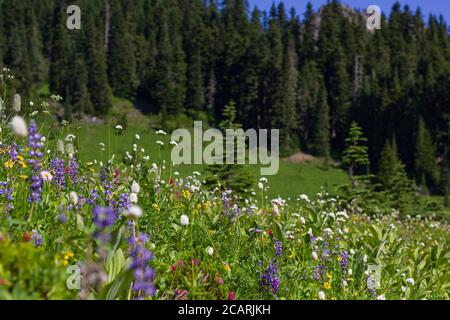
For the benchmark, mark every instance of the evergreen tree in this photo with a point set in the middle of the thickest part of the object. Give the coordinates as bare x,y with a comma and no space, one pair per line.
399,189
121,57
320,144
356,153
59,53
425,157
387,164
80,99
98,86
229,176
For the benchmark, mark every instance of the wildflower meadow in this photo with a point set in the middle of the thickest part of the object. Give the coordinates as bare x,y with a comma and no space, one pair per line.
134,228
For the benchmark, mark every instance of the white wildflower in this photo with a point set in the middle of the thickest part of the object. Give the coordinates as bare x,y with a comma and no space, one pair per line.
133,198
321,295
19,127
70,138
304,197
46,176
135,187
134,212
184,220
210,251
73,197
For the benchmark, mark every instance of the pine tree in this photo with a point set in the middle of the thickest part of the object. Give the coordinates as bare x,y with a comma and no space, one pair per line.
193,46
286,118
229,176
387,164
121,56
399,189
98,86
356,153
425,157
320,144
59,53
80,98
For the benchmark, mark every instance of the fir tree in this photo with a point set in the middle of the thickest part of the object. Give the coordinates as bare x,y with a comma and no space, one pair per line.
356,154
229,176
121,57
425,157
320,140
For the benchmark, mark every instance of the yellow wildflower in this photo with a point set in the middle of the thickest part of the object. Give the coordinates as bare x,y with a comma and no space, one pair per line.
156,207
227,267
9,164
327,285
186,194
23,177
206,205
67,257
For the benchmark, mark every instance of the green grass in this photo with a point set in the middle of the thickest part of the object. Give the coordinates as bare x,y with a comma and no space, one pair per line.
292,179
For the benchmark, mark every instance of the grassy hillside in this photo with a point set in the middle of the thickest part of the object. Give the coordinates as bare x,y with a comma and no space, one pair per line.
292,179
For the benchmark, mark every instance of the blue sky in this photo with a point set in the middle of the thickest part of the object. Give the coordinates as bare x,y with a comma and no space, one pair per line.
427,6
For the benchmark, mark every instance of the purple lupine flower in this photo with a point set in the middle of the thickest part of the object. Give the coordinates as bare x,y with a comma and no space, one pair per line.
143,274
62,218
278,248
93,197
108,189
13,152
35,145
35,189
6,191
37,238
73,170
59,172
344,260
270,280
124,203
319,271
104,217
